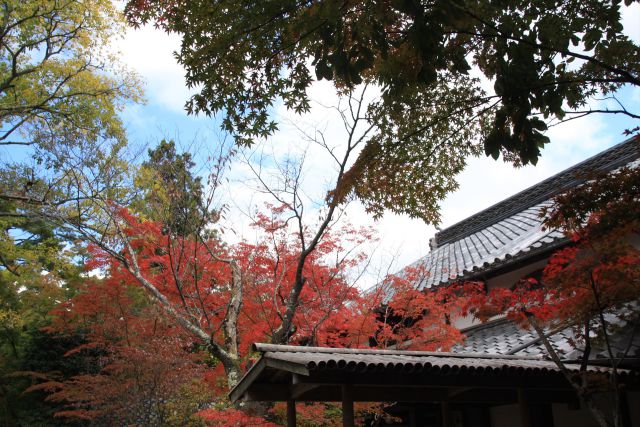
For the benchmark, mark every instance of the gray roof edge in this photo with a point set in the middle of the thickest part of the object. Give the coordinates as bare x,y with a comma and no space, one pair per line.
276,348
513,260
612,158
485,325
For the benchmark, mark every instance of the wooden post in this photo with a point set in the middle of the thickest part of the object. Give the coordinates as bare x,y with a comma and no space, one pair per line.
348,419
445,410
413,422
291,413
525,411
624,410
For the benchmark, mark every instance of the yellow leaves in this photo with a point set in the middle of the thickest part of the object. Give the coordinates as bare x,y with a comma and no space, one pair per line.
10,320
58,73
157,198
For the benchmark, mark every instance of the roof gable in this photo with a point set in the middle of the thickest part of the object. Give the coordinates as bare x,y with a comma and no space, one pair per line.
512,230
615,157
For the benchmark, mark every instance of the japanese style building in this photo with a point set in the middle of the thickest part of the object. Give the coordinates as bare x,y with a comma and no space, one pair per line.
501,375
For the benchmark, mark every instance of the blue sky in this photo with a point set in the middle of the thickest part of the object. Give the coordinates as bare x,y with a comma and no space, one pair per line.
484,182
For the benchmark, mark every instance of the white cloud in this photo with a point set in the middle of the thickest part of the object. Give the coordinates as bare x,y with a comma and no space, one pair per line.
149,51
631,21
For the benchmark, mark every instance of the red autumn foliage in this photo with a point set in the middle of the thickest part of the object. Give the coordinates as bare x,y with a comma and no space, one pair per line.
232,418
138,363
421,319
325,414
140,348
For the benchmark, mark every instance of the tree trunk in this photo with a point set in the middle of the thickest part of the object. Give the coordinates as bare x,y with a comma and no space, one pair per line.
583,392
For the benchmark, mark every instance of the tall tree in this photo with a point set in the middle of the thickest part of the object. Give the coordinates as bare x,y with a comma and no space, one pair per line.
171,192
59,85
61,91
548,61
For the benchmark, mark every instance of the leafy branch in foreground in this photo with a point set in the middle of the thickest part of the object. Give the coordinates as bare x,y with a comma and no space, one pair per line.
548,61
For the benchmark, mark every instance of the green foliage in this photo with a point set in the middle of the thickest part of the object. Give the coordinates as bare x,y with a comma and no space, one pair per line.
420,145
61,90
59,85
37,271
171,194
546,59
25,302
188,402
40,352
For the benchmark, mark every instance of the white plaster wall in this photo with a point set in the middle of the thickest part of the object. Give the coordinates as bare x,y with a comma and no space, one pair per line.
464,322
509,279
505,416
565,417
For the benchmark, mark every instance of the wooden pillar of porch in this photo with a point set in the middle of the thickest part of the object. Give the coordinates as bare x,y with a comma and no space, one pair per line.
348,419
445,411
291,413
525,410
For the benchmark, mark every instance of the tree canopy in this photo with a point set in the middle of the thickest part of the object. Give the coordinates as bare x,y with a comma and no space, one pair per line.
171,193
59,84
547,61
62,89
230,296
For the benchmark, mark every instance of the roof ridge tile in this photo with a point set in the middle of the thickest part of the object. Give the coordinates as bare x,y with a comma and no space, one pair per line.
616,156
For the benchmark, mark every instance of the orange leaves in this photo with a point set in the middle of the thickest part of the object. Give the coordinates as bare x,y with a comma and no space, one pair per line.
421,319
135,345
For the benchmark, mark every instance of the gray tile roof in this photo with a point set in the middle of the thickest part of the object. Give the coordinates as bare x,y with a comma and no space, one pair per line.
286,372
506,338
613,158
348,359
511,231
518,236
312,374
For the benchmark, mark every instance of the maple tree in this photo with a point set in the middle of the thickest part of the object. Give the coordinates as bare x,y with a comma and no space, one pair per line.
395,314
227,297
592,285
138,368
137,342
292,284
